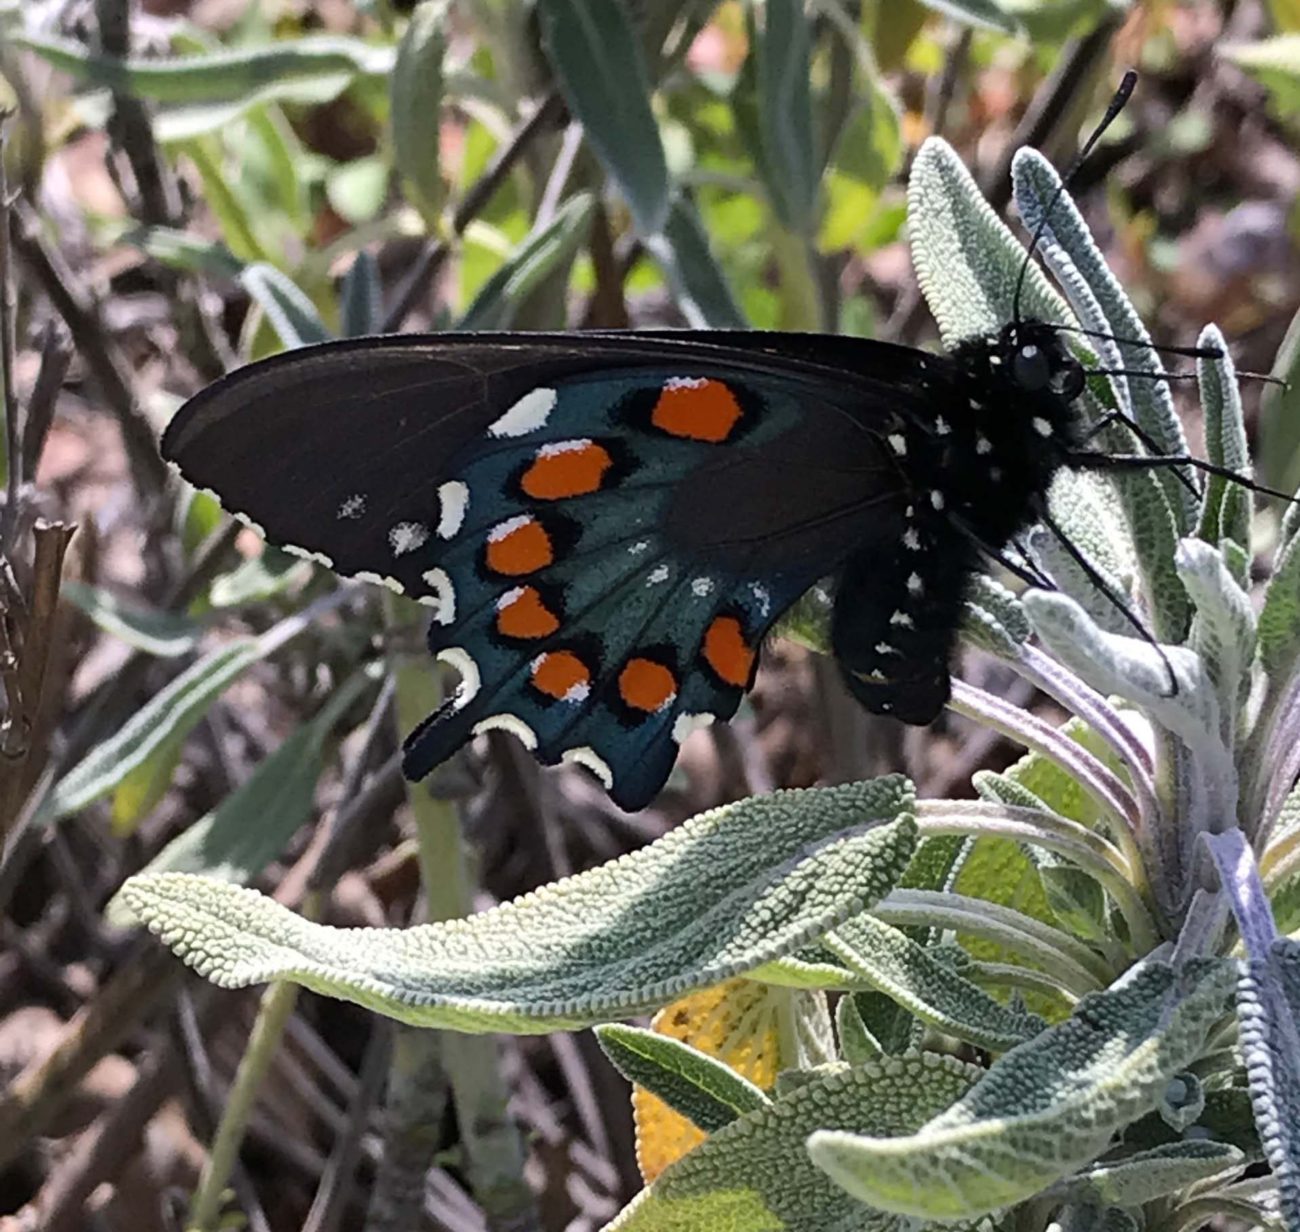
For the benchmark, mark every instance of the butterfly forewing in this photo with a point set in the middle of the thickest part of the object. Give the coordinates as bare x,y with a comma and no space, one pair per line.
603,528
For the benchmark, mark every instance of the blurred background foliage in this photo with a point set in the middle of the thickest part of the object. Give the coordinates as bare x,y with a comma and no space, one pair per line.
204,182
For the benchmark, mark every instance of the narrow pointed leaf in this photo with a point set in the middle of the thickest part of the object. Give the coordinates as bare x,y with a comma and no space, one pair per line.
704,1090
288,308
933,992
539,256
1046,1107
726,892
753,1175
1228,508
782,51
415,108
967,260
361,306
698,284
168,717
1148,1175
598,62
165,634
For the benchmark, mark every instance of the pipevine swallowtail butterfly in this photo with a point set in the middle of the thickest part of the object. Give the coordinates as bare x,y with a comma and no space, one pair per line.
606,525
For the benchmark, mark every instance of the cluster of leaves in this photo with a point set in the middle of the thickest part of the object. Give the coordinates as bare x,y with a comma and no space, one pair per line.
1033,1010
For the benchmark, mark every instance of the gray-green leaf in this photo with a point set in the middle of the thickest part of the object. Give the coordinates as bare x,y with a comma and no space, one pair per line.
754,1176
602,73
1046,1107
728,891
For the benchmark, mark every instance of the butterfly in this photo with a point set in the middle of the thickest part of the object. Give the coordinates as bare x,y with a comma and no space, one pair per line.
605,526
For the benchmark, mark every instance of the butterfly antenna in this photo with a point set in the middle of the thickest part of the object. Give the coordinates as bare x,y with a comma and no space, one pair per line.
1122,95
1116,600
1185,352
1142,462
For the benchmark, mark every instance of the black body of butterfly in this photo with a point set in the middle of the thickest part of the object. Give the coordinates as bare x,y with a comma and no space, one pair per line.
605,525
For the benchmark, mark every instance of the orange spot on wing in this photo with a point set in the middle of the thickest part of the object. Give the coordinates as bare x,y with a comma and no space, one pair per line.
646,685
518,546
701,410
571,468
562,675
727,652
523,613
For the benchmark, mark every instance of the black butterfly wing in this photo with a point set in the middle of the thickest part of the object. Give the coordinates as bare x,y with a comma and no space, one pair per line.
603,525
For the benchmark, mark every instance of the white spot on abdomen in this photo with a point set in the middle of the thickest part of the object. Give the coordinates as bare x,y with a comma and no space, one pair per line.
453,500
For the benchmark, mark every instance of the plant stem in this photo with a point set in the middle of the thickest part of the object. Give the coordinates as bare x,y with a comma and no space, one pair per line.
273,1014
1072,961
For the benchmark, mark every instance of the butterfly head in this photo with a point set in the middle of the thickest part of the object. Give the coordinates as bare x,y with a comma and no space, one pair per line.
1032,351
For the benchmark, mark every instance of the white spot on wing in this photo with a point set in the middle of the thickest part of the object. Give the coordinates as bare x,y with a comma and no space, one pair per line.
307,554
352,507
898,443
901,618
911,540
884,648
763,595
658,574
407,537
914,584
527,415
507,722
983,444
470,680
558,447
638,547
443,598
702,586
364,575
585,755
936,499
941,427
453,500
685,382
509,526
686,723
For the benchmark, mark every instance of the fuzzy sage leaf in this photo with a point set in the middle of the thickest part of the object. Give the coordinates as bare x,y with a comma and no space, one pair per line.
731,889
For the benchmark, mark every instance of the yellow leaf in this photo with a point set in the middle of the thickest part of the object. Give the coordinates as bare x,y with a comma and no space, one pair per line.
737,1022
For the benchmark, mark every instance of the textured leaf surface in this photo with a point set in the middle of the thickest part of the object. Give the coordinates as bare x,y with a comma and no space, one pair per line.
598,61
726,892
1268,1007
1227,509
1043,1109
755,1176
967,260
936,994
1140,1178
287,306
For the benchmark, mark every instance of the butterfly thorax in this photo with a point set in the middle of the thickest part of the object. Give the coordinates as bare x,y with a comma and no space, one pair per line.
999,422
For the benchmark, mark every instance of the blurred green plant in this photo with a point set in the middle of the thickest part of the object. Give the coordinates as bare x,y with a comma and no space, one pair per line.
1035,1017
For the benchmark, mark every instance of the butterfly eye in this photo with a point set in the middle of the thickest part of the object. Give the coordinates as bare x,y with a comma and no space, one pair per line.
1033,370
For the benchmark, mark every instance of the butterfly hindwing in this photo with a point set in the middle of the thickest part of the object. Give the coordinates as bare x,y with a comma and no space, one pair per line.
603,529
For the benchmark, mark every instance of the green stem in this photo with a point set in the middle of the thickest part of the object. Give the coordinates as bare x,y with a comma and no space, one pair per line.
1088,850
273,1014
1074,963
494,1154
